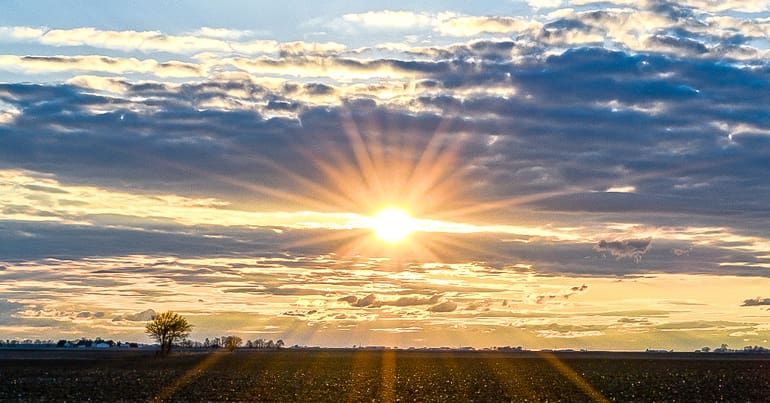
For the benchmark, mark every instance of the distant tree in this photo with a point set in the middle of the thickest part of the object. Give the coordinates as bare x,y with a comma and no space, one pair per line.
233,342
270,345
279,344
166,328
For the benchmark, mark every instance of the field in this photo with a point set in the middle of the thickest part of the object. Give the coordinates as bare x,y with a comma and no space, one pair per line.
342,376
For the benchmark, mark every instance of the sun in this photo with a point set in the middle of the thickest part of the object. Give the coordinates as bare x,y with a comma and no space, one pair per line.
392,224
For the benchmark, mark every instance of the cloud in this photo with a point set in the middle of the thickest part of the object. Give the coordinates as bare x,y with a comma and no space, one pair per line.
205,39
475,25
682,251
703,324
537,4
388,19
747,6
172,121
372,301
143,316
634,321
337,68
446,306
554,330
70,204
571,334
629,248
446,23
367,301
222,33
758,301
543,298
397,330
8,309
101,64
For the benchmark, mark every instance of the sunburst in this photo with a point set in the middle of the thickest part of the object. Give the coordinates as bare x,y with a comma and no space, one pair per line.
392,225
396,180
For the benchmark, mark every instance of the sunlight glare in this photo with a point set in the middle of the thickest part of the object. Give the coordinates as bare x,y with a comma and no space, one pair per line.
392,224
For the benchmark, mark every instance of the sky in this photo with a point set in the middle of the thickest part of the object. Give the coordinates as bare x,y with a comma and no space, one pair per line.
545,174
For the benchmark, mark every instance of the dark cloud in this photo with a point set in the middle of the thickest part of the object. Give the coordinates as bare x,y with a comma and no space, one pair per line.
634,320
412,301
372,301
367,301
350,299
681,251
758,301
567,136
74,241
8,309
543,298
629,248
678,44
447,306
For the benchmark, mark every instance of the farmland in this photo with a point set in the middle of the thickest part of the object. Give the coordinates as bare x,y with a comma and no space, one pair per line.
349,375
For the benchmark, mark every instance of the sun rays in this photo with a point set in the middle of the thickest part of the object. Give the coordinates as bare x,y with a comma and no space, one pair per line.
396,179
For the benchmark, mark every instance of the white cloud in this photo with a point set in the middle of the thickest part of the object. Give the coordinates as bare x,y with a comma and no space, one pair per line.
446,23
20,33
152,41
536,4
8,113
387,19
748,6
474,25
222,33
205,39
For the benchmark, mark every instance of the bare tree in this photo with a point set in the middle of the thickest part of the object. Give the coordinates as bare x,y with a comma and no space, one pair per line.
166,328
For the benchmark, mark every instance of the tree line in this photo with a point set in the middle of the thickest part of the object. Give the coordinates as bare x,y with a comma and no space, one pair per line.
232,342
170,328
